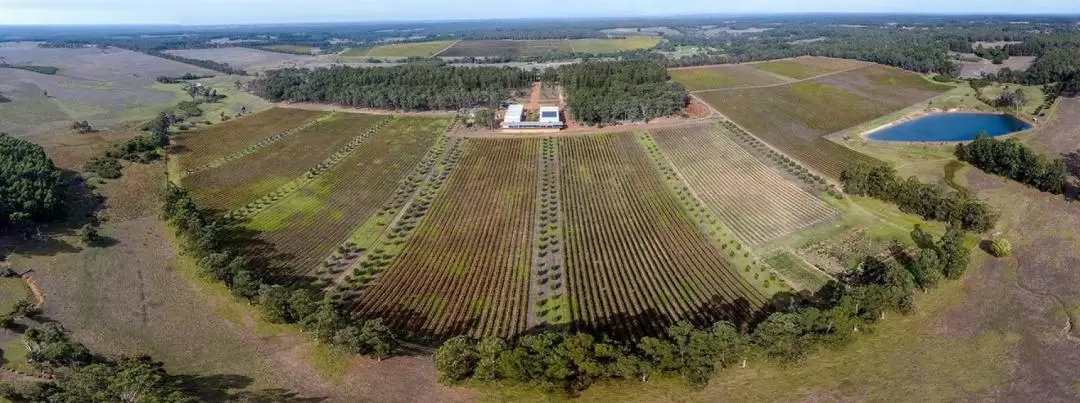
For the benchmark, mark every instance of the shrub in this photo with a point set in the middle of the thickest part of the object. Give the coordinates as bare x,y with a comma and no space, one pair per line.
1000,248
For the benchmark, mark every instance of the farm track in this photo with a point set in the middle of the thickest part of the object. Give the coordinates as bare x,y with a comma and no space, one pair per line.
251,209
305,226
635,261
465,269
755,202
251,149
242,181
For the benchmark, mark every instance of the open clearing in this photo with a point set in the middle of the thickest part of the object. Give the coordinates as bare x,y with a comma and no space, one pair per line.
12,290
795,117
103,86
729,76
255,60
513,48
975,69
409,49
751,199
238,182
291,48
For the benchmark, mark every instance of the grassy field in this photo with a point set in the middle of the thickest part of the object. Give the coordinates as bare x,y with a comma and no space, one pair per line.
409,49
355,52
613,45
297,49
718,77
806,67
12,290
103,86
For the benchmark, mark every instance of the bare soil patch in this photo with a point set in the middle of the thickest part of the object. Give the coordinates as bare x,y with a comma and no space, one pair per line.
975,69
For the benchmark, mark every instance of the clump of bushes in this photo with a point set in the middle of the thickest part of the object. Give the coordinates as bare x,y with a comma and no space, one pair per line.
1000,247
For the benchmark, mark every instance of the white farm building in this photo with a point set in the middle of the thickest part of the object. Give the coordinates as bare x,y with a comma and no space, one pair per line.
549,114
514,113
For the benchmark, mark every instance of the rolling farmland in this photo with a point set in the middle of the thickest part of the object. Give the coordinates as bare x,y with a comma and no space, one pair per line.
595,45
751,199
198,148
308,224
729,76
465,268
243,180
795,117
634,260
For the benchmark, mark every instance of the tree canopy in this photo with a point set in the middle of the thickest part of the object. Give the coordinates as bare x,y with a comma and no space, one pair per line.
31,188
606,92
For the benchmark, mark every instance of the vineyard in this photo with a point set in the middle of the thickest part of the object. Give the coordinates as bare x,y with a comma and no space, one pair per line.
806,67
307,225
635,261
198,148
489,48
243,180
750,198
728,76
464,268
795,117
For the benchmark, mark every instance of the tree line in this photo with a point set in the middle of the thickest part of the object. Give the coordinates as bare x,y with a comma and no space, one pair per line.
929,201
82,376
410,87
31,187
215,245
1014,160
612,91
831,318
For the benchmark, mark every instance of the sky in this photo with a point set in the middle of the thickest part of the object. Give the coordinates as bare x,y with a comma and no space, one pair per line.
27,12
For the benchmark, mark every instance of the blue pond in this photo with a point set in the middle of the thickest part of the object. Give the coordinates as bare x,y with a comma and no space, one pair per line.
951,127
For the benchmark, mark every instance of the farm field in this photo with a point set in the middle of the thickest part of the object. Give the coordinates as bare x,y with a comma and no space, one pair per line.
635,262
254,60
596,45
752,200
795,117
241,181
12,290
307,225
354,52
104,86
466,266
489,48
196,148
409,49
805,67
304,49
729,76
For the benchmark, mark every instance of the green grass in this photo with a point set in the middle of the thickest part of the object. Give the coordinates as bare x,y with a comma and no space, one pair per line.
409,49
790,68
798,273
613,45
355,52
12,290
15,356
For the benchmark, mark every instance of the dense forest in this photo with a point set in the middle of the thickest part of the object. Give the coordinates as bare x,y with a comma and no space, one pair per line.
31,187
929,201
1012,159
831,318
607,92
410,87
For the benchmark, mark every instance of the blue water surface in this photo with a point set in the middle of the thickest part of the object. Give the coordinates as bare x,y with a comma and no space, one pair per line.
951,127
